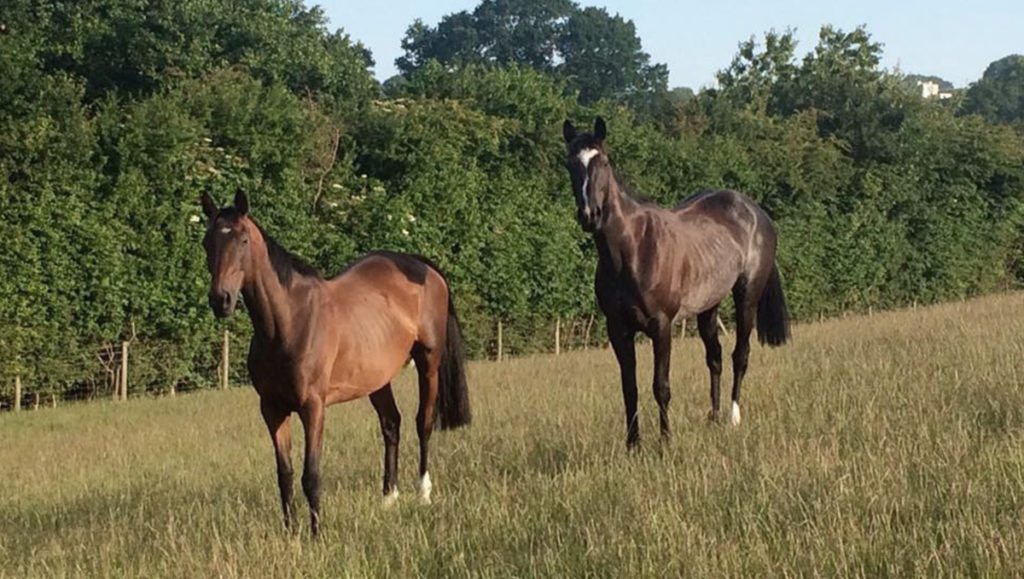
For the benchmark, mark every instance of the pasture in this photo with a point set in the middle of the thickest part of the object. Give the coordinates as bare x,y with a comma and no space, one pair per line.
883,445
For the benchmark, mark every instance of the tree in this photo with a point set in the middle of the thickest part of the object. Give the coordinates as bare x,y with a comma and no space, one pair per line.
759,76
599,55
603,58
137,48
999,95
496,32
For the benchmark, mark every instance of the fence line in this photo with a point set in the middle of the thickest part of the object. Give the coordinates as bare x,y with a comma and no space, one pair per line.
225,361
123,383
558,329
499,340
115,362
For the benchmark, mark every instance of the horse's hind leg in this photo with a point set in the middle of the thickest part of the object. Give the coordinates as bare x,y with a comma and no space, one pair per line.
707,326
427,364
746,315
277,420
383,401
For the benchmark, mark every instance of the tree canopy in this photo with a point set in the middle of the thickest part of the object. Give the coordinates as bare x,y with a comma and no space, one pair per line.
115,116
999,95
598,55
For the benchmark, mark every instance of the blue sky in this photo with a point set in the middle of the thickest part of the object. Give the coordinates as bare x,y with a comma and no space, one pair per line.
952,39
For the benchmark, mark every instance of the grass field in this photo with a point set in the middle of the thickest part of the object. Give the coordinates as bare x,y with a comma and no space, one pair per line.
884,445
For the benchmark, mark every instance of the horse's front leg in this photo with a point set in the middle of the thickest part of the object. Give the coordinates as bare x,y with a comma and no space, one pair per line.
277,420
312,416
624,345
661,339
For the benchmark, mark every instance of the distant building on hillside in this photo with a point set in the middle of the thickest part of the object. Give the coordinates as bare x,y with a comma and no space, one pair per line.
931,89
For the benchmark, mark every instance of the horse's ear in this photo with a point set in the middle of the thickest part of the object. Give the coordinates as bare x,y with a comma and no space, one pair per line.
568,131
241,202
600,131
209,205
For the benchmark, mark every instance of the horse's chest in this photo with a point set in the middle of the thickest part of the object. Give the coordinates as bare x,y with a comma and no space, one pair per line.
618,296
277,375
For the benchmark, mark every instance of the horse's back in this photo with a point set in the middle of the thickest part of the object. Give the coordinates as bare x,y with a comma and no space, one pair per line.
721,203
378,305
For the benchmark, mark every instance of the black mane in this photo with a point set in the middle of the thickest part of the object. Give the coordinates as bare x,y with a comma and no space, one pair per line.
627,189
286,263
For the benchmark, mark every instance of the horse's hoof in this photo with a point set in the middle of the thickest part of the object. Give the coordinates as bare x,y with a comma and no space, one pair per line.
390,499
425,488
712,416
314,524
734,414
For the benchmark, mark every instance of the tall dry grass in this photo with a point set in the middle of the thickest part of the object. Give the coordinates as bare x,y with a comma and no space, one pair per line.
884,445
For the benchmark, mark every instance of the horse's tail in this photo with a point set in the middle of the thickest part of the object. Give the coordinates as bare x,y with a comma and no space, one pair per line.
453,395
772,315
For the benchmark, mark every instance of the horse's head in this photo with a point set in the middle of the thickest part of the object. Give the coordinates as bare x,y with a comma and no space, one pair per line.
228,254
589,172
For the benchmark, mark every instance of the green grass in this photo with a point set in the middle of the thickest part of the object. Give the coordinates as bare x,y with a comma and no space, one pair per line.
884,445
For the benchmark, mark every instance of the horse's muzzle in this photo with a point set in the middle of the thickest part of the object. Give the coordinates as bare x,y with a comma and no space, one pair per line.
588,219
223,303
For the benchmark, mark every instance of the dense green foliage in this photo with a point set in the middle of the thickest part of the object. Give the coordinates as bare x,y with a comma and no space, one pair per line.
999,95
597,54
115,115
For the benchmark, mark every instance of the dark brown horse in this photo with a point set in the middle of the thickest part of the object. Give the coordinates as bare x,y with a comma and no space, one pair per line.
659,265
320,341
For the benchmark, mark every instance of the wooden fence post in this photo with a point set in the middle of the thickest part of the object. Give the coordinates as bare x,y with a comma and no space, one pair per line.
53,400
124,371
499,340
17,392
586,333
558,331
721,326
35,402
224,363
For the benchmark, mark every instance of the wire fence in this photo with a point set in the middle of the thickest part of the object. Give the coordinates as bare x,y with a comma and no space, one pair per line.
134,367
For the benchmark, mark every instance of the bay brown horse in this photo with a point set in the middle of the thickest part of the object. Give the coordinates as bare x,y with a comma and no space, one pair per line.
317,342
658,265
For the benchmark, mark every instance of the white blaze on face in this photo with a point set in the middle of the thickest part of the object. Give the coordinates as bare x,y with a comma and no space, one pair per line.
225,230
585,156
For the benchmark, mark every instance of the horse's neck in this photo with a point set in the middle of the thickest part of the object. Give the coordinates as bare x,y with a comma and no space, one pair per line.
614,239
268,301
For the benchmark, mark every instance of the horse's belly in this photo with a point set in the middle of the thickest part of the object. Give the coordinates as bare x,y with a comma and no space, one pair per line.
366,366
698,298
